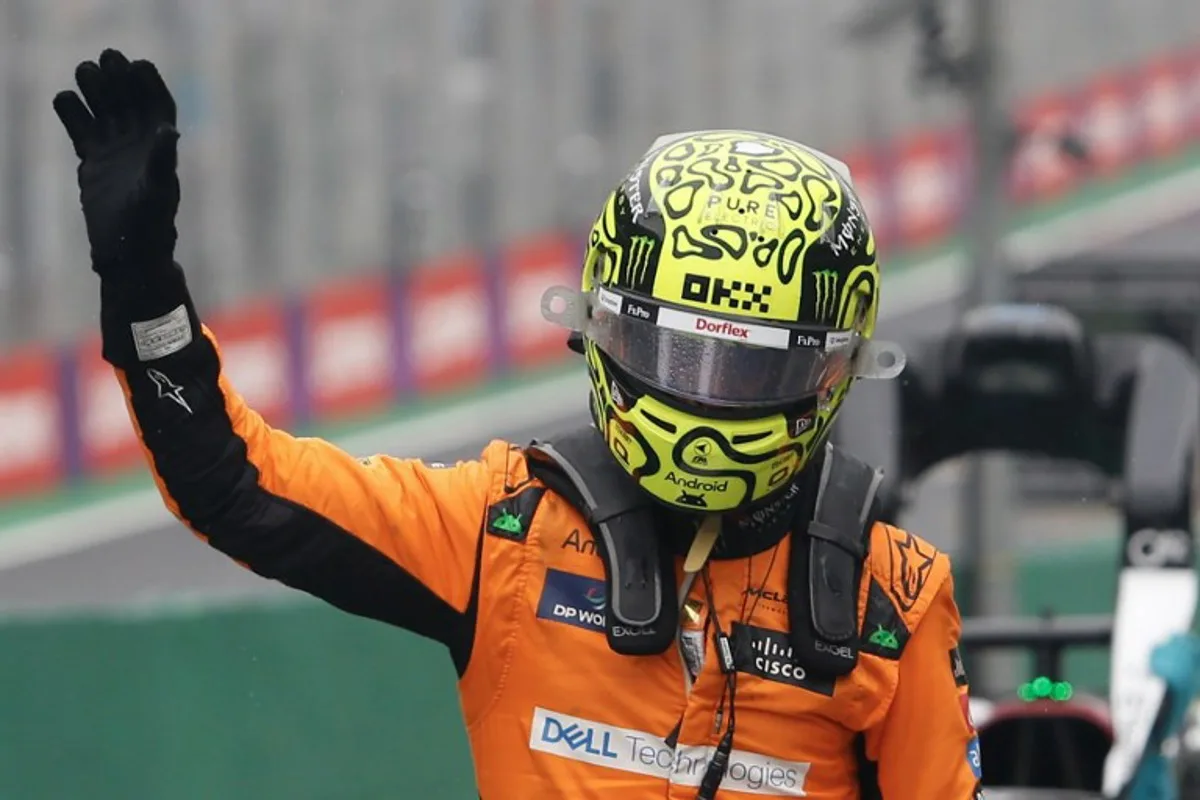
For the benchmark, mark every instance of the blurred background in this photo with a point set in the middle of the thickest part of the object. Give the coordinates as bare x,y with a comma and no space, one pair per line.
374,196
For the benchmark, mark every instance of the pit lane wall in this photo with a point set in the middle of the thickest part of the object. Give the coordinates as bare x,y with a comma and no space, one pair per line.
292,701
360,346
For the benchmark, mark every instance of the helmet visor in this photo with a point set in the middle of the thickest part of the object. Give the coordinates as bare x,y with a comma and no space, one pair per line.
716,360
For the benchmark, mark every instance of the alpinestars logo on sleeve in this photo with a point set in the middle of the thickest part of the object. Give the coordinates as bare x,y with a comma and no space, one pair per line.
912,563
168,389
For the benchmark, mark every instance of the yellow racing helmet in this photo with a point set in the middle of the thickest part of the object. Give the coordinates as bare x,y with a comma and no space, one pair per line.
729,295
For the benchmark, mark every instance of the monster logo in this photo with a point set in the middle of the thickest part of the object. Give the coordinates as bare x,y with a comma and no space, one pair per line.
844,235
641,250
825,285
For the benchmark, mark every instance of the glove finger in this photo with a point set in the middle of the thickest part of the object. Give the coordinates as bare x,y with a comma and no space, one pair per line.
164,154
75,118
113,60
94,89
115,67
152,92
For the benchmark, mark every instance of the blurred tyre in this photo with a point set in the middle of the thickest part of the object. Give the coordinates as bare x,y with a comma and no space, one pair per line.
1047,745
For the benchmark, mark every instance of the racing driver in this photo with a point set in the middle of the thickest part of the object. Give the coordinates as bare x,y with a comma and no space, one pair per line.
699,553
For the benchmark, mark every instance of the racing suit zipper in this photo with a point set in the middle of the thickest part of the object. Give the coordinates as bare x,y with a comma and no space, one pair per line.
684,590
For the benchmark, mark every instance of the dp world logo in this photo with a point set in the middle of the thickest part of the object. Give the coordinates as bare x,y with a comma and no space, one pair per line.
825,293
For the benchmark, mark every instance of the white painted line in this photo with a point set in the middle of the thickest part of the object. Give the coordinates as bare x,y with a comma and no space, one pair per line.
1109,221
1102,224
552,401
429,435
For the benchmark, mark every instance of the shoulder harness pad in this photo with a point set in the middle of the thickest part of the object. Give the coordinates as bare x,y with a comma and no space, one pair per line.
642,609
825,572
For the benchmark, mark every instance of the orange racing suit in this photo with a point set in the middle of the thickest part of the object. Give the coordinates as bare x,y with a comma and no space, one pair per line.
483,557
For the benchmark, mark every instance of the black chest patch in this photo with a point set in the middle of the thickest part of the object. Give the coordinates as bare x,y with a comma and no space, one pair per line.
510,518
884,633
767,654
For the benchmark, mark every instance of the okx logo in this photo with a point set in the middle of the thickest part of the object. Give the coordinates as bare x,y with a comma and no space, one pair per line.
825,294
733,295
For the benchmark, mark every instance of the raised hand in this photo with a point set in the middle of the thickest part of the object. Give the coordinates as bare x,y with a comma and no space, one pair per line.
124,131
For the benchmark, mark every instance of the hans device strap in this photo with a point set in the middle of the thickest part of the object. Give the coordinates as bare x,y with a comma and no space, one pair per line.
642,611
824,576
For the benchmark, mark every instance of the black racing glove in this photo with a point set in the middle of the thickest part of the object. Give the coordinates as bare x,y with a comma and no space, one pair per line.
126,145
125,137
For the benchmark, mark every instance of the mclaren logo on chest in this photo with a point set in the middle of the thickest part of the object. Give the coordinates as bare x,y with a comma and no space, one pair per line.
775,596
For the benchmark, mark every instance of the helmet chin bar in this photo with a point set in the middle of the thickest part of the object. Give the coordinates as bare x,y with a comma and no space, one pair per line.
748,480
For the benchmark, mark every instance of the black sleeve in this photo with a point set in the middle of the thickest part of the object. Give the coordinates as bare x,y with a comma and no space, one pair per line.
391,539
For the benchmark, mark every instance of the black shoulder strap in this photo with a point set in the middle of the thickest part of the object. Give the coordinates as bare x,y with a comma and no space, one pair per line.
641,610
827,563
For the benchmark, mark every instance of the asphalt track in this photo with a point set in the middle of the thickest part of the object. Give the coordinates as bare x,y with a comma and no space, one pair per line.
169,564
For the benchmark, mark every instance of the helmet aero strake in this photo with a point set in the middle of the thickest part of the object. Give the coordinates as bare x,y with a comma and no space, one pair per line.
730,290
